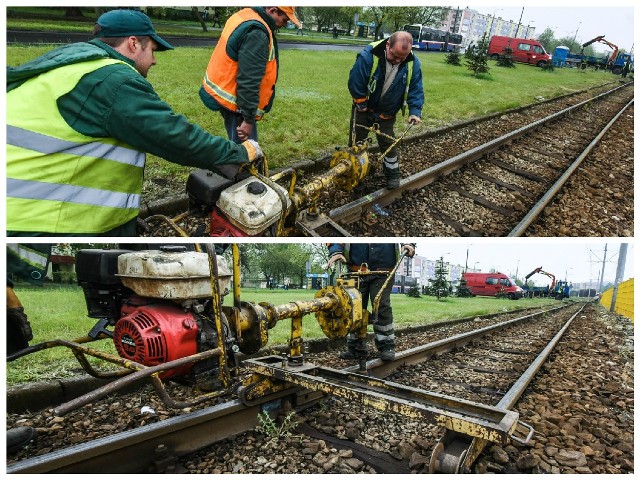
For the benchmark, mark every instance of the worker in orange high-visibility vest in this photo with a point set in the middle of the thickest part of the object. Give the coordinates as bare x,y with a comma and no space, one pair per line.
241,77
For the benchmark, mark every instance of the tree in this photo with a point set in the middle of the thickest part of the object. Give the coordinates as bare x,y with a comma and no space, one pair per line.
453,58
439,284
506,59
378,15
548,40
326,16
463,290
282,260
348,17
414,291
477,62
431,16
198,16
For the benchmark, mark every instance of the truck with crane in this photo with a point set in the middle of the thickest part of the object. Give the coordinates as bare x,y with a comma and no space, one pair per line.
556,289
615,61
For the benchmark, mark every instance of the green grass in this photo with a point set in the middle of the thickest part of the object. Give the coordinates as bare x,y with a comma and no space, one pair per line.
54,313
53,20
60,313
312,106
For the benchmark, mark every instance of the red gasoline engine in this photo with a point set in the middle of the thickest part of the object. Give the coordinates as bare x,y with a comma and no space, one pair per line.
158,303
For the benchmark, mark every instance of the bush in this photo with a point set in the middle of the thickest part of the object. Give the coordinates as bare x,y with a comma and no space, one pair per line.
453,58
548,67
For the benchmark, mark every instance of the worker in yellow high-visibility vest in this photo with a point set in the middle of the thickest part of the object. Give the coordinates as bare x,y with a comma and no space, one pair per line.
80,120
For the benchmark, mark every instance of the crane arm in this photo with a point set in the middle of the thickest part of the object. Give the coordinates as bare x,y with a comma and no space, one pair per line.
539,270
601,39
532,273
593,40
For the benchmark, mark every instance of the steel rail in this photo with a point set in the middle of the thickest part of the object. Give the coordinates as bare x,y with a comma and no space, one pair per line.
455,452
422,353
137,449
353,211
533,214
134,451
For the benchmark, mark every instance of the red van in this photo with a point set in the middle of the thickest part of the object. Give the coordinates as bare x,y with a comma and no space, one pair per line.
492,284
524,50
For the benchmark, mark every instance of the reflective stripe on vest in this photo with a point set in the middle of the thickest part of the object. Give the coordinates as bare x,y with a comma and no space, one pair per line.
29,256
29,189
59,180
220,79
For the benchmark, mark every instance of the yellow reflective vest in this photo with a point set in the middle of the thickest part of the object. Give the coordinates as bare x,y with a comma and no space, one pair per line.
58,180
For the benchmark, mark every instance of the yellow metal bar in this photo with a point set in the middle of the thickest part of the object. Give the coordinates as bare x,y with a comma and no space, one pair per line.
474,419
295,342
217,313
236,274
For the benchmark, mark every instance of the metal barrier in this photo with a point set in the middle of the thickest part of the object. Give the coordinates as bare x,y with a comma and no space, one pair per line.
624,301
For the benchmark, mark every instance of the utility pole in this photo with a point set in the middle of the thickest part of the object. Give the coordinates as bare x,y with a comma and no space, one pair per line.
622,258
604,261
519,21
576,35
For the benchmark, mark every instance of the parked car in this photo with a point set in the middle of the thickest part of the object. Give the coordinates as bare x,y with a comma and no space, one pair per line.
524,50
492,285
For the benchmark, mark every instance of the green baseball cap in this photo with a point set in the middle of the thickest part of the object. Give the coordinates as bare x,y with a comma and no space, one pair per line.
125,23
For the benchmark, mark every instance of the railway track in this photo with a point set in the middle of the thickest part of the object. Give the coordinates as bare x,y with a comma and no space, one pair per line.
498,188
491,358
485,176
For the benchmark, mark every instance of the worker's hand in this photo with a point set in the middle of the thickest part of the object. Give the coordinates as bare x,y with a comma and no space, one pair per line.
244,131
253,150
361,107
414,119
408,249
335,257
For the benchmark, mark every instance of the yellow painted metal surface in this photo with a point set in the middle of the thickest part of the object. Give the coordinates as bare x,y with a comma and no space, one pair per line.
624,302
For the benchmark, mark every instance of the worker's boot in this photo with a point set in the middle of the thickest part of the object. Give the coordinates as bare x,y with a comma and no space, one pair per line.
18,437
391,169
387,355
348,354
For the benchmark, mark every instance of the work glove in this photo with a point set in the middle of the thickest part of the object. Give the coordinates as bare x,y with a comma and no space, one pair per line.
253,150
335,257
414,119
361,107
408,249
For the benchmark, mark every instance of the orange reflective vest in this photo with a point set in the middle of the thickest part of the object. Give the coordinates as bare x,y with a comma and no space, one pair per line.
220,79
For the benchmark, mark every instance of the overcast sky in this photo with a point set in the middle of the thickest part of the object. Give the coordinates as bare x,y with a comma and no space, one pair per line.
588,19
580,260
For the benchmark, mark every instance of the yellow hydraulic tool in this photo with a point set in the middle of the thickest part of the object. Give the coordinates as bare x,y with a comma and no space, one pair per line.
347,168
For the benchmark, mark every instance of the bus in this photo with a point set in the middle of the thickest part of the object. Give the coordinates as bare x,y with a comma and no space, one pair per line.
432,39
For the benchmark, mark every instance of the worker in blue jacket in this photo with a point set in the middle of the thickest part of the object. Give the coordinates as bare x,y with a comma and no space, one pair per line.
385,79
381,257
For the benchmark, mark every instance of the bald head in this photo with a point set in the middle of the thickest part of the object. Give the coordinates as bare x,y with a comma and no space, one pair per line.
401,39
399,47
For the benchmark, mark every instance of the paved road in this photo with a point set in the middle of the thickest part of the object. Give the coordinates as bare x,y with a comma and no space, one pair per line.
29,37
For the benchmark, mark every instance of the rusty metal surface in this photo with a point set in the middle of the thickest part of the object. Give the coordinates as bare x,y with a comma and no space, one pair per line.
381,462
537,209
142,372
420,354
346,317
456,452
134,448
133,451
487,422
